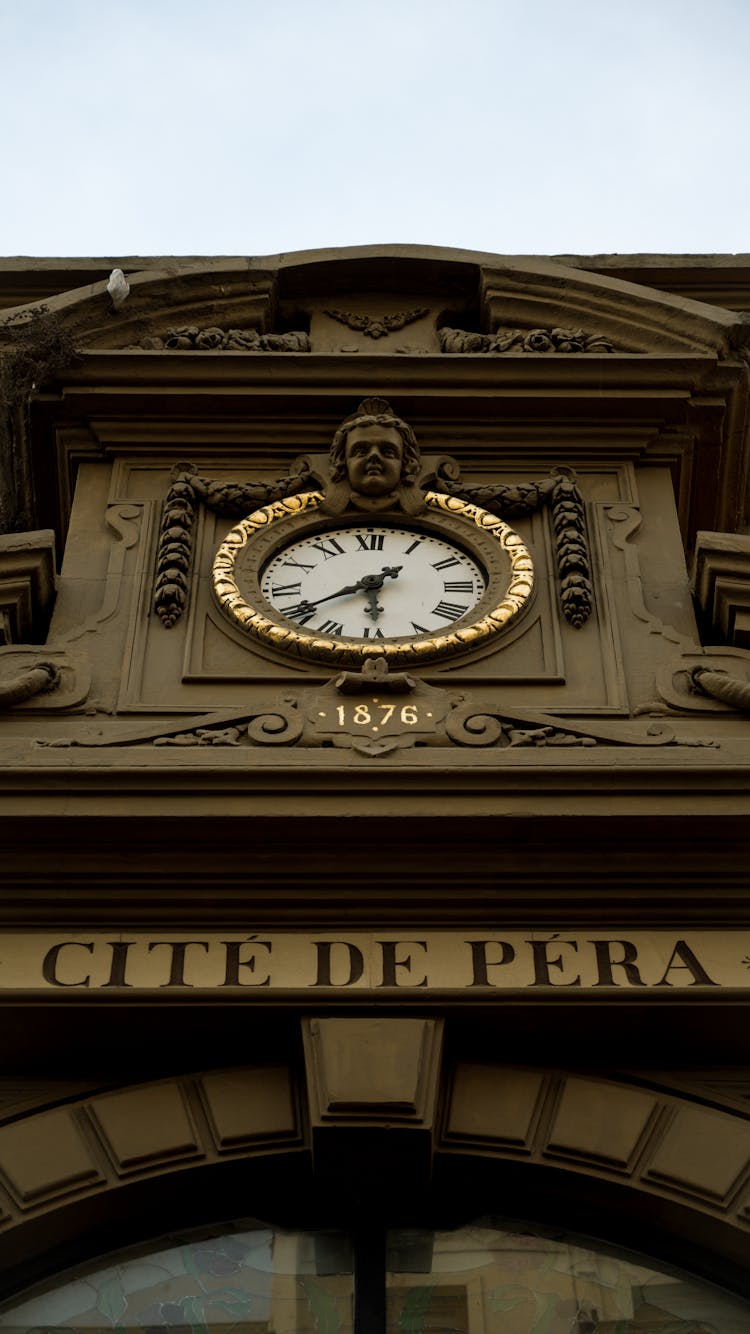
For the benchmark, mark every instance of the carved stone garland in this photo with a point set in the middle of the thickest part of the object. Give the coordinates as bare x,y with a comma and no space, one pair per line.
560,492
523,340
232,499
192,339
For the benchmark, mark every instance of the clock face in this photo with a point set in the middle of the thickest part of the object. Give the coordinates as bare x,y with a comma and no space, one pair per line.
344,592
372,581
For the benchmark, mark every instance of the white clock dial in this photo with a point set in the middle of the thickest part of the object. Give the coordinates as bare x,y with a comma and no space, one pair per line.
370,581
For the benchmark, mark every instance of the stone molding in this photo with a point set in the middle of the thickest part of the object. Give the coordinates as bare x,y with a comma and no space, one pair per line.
721,583
27,586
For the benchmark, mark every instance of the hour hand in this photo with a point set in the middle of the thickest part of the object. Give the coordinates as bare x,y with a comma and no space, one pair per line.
372,583
373,607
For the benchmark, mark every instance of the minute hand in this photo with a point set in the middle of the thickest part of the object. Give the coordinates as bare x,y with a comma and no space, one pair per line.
367,582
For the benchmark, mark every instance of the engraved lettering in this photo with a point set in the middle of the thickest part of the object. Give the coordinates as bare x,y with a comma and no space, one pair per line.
543,963
391,963
49,963
605,963
179,949
480,963
119,961
324,976
234,963
683,951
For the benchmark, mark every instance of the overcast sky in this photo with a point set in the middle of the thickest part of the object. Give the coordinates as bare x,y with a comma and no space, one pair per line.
246,127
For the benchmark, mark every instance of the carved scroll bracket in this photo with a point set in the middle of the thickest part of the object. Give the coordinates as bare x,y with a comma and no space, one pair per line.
374,713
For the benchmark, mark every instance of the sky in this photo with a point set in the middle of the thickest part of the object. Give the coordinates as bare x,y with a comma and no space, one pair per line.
255,127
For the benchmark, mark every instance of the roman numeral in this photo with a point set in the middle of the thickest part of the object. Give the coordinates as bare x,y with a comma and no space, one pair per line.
444,564
298,565
370,633
370,541
414,546
329,548
330,628
449,610
419,629
457,586
290,590
300,614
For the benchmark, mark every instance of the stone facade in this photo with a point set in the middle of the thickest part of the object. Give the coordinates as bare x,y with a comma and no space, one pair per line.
255,825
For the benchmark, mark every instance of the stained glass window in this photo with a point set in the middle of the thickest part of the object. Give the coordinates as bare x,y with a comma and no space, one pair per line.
480,1279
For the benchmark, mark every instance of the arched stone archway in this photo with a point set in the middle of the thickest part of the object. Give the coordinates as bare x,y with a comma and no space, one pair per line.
619,1159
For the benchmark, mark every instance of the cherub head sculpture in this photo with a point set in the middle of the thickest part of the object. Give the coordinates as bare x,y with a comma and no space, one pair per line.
375,451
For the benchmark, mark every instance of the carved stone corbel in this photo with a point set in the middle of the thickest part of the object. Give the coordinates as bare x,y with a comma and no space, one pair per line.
372,1088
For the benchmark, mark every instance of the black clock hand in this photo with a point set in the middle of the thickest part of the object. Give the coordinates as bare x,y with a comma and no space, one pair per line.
371,583
373,607
366,583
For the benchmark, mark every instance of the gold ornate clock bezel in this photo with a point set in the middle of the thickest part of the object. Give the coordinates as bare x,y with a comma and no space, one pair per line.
490,540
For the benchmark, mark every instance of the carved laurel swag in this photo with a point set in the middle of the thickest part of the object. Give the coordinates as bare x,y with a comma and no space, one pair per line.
373,326
561,494
523,340
193,339
175,549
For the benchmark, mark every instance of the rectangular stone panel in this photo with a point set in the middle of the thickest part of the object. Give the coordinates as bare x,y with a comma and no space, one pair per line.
703,1152
250,1106
45,1155
601,1122
144,1126
494,1105
372,1068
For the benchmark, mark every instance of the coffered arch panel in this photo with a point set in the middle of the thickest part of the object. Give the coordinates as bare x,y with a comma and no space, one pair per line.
617,1159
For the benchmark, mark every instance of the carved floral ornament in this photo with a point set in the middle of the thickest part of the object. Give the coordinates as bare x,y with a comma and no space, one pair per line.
192,338
524,340
373,485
